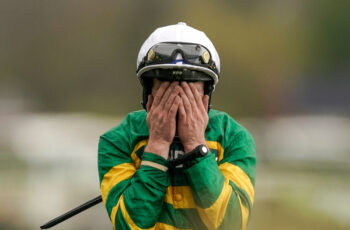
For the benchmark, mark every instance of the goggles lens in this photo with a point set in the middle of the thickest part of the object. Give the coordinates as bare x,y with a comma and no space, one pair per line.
168,53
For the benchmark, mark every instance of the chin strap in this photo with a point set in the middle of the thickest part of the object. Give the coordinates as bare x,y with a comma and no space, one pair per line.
147,89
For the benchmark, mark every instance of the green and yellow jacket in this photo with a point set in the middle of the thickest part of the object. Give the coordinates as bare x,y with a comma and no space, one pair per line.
211,192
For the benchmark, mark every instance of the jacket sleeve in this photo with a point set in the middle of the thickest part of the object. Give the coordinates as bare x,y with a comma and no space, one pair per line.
133,196
223,190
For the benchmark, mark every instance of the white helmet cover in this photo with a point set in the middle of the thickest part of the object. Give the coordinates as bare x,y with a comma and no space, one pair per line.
183,34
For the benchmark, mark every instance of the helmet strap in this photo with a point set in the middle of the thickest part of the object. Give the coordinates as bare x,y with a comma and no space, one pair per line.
208,89
147,89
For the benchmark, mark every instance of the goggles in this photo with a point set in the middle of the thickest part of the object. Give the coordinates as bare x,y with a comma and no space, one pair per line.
179,53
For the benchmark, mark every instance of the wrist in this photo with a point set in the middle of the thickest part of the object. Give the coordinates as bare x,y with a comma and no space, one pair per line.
188,147
155,161
159,148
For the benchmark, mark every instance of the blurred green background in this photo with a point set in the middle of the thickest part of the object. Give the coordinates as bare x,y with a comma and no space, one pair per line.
67,74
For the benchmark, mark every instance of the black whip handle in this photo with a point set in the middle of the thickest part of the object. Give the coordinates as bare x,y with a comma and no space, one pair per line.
72,212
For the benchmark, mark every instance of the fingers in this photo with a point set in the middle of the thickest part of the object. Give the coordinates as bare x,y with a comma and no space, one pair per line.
195,93
169,95
160,92
170,101
186,102
174,107
181,109
187,99
166,100
189,94
198,98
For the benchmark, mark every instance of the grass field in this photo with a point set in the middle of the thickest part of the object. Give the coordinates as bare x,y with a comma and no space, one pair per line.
290,197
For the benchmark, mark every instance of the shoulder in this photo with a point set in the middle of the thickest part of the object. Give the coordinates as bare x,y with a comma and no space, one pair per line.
218,115
224,120
132,128
225,124
135,117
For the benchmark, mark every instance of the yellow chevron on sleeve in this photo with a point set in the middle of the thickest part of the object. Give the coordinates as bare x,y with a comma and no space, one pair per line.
239,177
212,217
180,197
158,226
128,219
114,211
244,211
216,145
115,175
134,157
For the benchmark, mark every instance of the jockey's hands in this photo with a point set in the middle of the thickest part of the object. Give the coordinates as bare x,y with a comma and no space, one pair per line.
193,116
161,118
